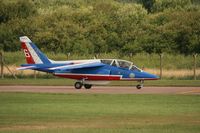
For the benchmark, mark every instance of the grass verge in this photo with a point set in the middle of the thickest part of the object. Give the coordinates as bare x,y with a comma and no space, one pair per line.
98,113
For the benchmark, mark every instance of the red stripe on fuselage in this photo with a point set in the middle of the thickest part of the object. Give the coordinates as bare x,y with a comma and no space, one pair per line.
89,77
29,58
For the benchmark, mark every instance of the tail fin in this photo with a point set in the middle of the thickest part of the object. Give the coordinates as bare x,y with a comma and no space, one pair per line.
32,53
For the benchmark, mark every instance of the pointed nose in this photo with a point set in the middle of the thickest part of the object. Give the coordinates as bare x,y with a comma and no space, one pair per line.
154,76
151,76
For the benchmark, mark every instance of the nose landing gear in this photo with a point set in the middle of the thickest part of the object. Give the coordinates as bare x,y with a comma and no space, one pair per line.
140,86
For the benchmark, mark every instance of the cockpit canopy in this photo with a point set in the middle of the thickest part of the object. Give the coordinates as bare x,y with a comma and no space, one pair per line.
120,63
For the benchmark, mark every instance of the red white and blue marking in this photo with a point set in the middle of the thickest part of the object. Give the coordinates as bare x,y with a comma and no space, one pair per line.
88,70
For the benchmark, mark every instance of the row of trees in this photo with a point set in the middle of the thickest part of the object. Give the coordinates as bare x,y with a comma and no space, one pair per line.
96,26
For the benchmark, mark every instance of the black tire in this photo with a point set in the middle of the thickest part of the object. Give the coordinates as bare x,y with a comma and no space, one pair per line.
138,86
87,86
78,85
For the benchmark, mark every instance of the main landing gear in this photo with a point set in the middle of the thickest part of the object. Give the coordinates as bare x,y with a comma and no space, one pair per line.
140,86
78,85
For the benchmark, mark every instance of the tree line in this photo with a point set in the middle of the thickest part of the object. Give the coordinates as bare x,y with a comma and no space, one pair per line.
102,26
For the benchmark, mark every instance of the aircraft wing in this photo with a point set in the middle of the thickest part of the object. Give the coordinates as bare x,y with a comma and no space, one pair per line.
77,66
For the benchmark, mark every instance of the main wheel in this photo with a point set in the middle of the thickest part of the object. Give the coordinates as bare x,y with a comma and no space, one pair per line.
139,86
87,86
78,85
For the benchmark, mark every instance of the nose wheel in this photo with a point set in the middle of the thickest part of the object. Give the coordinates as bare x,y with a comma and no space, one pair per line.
140,86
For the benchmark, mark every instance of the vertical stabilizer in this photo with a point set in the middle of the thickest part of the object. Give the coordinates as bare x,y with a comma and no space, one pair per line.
32,53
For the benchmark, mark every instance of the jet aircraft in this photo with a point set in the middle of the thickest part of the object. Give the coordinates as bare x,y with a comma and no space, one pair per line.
85,72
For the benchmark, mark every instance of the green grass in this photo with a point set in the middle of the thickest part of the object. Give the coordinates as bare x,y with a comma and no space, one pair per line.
64,82
98,113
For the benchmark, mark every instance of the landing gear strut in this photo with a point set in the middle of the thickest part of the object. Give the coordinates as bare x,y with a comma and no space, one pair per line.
78,85
140,86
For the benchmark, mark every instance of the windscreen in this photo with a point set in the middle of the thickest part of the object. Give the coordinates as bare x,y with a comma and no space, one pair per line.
135,68
124,64
108,62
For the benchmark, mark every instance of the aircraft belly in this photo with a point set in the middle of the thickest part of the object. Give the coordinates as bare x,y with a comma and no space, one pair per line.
95,82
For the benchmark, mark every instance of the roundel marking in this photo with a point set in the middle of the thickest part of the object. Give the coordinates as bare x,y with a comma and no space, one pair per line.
131,75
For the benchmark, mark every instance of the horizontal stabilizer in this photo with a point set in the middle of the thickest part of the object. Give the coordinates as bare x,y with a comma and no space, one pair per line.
26,67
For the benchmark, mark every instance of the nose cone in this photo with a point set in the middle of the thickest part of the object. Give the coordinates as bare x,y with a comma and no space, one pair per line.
150,76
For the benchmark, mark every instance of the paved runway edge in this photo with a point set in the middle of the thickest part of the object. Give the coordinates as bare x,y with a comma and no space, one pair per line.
102,90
